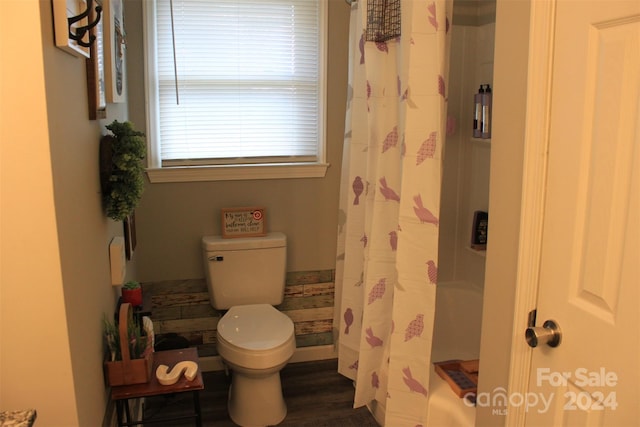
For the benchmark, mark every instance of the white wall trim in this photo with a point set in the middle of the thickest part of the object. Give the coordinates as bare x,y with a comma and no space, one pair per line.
302,354
533,195
237,172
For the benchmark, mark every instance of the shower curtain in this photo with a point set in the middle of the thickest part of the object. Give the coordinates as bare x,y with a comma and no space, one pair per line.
386,269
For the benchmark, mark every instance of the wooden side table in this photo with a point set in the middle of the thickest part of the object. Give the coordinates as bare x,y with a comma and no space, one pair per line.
122,394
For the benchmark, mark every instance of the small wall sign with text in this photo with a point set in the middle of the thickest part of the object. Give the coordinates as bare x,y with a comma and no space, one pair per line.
243,222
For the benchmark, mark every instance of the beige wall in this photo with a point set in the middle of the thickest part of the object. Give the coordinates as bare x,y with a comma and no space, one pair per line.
31,296
507,150
55,283
173,217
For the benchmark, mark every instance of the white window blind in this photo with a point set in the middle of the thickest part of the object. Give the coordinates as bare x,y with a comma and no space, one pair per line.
249,79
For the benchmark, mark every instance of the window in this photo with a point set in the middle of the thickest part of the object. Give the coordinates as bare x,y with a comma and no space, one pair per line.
235,89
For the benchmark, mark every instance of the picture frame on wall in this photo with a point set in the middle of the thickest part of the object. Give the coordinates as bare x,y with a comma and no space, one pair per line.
63,10
130,239
115,51
96,85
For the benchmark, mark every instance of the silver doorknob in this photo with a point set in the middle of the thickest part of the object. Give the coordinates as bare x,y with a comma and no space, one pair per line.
548,334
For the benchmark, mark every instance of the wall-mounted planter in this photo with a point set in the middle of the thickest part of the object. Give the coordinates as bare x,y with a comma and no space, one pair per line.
106,153
121,169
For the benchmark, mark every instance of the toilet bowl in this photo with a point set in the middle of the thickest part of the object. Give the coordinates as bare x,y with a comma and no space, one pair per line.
256,341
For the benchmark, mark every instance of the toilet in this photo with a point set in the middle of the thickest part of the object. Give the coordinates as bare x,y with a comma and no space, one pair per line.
246,277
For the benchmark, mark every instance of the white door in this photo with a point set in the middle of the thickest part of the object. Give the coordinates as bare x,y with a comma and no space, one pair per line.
590,261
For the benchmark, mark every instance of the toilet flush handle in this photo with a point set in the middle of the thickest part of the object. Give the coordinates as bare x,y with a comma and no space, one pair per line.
216,258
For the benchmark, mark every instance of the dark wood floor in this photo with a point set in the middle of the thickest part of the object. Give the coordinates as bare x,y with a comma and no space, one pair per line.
315,393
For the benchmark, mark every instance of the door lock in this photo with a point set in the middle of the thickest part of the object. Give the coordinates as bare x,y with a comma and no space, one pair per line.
548,334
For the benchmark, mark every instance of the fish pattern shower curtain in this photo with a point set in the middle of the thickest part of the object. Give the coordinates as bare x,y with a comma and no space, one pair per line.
387,264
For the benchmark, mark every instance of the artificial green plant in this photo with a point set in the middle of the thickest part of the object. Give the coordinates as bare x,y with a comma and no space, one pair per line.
125,183
131,284
136,339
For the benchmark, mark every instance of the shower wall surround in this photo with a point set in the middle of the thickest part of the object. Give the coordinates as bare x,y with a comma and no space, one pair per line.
183,307
465,183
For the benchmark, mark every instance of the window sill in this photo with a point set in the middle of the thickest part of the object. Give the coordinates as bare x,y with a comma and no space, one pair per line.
237,172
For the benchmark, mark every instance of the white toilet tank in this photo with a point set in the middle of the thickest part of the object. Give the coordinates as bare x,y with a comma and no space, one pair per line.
247,270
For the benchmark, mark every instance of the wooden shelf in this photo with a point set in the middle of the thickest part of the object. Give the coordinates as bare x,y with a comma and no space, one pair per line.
481,141
479,252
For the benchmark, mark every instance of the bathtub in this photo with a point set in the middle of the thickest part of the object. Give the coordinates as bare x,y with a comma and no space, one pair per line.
446,409
456,335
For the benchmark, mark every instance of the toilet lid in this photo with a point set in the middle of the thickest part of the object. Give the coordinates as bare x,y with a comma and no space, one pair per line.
255,327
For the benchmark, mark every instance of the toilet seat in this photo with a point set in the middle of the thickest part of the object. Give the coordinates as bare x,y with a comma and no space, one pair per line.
256,336
255,327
